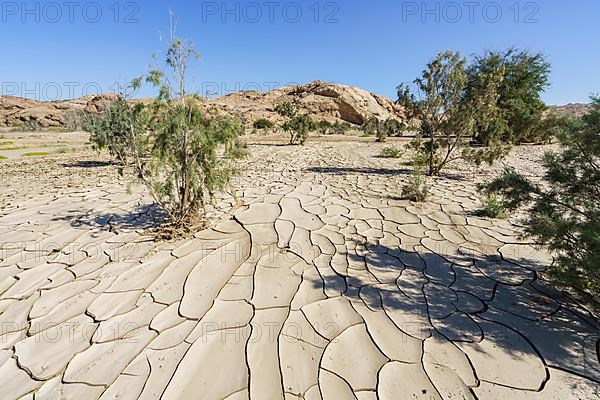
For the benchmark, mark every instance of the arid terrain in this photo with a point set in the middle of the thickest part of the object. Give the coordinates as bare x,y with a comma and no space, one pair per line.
315,280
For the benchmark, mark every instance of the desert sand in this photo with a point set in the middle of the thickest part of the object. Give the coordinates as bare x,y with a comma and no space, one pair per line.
315,280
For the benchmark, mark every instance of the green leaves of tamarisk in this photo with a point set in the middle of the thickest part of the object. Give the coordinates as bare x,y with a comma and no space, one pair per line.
564,211
182,154
446,107
297,125
519,114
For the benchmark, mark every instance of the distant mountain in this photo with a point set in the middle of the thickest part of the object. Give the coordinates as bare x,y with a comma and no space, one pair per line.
323,101
571,109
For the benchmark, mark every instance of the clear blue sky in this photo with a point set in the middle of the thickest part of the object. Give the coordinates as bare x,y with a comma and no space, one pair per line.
62,49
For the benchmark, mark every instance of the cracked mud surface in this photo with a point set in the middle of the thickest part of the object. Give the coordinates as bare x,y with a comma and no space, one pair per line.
323,285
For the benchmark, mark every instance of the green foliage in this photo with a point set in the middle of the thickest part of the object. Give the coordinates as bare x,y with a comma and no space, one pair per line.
3,158
393,127
263,124
340,128
7,143
370,126
30,126
286,109
325,127
546,130
120,128
390,152
298,127
524,76
492,207
35,154
446,109
564,211
182,154
416,189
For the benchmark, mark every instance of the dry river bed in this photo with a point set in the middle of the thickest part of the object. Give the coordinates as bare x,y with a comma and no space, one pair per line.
317,281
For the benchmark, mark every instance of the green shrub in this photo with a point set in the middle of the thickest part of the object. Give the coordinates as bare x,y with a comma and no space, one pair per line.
340,128
390,152
72,121
416,189
30,126
447,108
3,158
182,154
564,211
298,127
393,127
518,109
325,127
263,124
286,109
4,144
492,207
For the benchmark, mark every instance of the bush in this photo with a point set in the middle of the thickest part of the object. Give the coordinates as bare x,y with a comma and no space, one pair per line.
263,123
298,127
393,127
564,211
416,189
519,108
183,155
493,207
390,152
119,129
30,126
341,128
324,127
446,108
286,109
72,121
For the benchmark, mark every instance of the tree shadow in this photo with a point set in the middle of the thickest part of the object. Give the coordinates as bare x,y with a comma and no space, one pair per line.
355,170
142,217
89,164
485,306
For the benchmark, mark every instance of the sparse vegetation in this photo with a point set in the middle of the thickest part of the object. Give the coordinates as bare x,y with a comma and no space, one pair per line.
30,126
341,128
120,128
183,155
518,111
390,152
492,207
73,121
393,127
446,108
325,127
35,154
564,211
297,125
263,124
3,158
416,189
5,144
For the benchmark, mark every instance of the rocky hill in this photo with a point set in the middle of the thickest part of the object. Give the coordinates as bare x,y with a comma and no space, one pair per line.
571,109
323,101
18,112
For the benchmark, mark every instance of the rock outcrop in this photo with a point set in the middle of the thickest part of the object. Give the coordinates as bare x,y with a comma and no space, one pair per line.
571,109
323,101
17,112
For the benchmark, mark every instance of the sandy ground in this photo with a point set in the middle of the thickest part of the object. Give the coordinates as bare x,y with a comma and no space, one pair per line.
317,281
